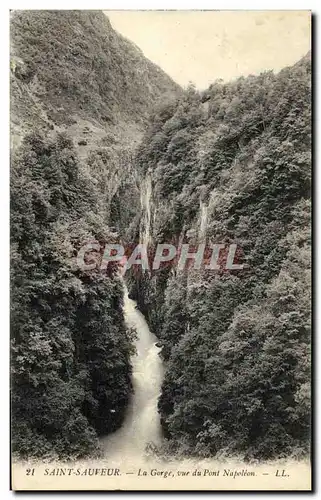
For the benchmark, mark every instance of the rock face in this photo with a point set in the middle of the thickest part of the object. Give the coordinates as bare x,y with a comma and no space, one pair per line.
236,171
80,99
71,70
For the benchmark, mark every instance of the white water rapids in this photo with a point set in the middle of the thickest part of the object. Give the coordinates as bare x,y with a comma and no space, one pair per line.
141,425
129,468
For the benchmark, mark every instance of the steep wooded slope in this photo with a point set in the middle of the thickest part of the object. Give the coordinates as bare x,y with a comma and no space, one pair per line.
232,165
80,95
75,65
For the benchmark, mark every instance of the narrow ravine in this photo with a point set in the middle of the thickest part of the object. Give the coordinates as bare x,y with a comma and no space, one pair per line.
142,424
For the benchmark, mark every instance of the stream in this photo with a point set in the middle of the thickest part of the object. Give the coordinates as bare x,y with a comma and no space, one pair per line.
142,424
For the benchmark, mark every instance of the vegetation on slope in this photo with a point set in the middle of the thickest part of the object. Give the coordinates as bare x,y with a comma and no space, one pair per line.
236,344
70,347
71,72
78,65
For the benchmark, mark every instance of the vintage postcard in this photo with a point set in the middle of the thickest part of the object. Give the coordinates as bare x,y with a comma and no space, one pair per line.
160,250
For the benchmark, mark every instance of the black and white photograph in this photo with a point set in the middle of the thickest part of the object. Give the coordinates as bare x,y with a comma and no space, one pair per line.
160,250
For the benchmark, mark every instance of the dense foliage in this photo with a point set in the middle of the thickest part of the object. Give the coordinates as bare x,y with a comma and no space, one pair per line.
70,347
232,165
71,73
227,165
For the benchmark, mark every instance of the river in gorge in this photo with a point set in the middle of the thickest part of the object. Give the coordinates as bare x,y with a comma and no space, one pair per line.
125,466
142,423
128,465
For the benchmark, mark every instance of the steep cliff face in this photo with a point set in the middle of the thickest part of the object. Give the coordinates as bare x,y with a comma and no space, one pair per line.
232,165
228,165
74,65
80,97
71,72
